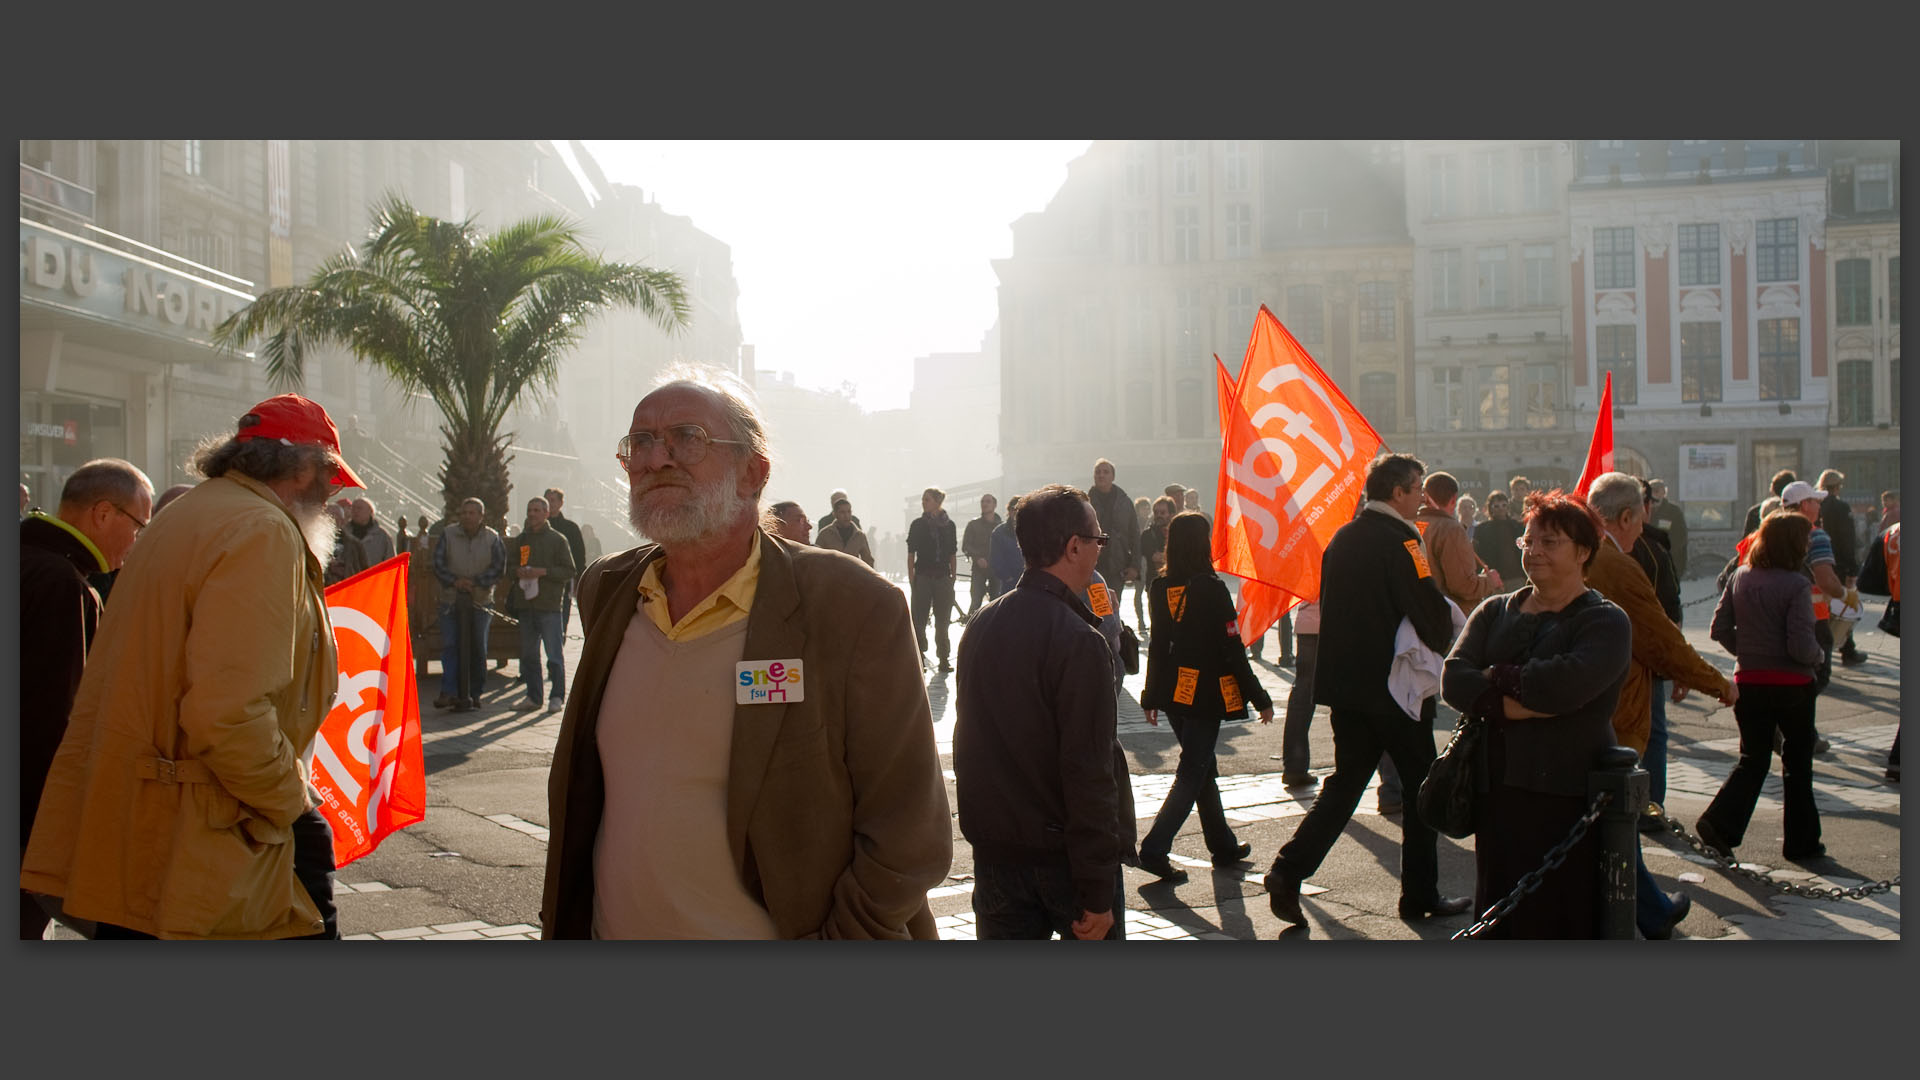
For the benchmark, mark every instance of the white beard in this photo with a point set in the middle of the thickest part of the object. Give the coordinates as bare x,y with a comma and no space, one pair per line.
709,510
319,529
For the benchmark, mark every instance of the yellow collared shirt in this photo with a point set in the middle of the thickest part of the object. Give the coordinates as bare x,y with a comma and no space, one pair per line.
720,609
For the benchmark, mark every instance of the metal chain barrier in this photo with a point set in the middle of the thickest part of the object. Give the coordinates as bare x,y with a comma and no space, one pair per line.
1532,880
1811,892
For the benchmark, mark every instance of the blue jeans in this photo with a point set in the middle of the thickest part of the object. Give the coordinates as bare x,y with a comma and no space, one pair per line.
452,667
538,628
1195,786
1651,908
1655,759
1034,902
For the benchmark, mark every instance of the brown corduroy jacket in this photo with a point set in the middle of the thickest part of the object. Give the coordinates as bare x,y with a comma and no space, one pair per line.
1659,649
837,813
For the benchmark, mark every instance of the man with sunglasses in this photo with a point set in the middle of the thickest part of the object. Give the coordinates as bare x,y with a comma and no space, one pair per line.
747,751
90,533
178,803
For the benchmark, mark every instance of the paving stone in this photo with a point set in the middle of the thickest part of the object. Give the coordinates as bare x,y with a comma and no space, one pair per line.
449,928
409,932
458,935
504,931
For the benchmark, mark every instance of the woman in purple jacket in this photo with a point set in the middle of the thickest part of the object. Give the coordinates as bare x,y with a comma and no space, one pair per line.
1765,619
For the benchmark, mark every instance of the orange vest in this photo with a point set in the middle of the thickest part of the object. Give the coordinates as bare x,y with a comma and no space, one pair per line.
1891,539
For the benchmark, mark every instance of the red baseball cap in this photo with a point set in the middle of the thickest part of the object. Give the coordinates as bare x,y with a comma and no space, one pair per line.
294,419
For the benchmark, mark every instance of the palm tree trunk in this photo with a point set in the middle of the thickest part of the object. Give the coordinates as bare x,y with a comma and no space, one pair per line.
476,466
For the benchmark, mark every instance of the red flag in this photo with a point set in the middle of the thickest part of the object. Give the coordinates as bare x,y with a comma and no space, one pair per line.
1600,451
1292,464
367,760
1261,605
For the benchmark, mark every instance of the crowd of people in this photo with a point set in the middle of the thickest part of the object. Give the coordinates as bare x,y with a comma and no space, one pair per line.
746,675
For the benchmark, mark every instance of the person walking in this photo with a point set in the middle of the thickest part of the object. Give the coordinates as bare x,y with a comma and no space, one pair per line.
576,544
1118,560
1039,774
1765,619
179,805
1197,673
543,567
842,533
467,560
1836,517
933,553
1373,575
977,546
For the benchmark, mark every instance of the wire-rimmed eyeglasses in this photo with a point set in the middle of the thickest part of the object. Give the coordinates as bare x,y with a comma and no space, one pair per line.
138,525
1100,540
686,444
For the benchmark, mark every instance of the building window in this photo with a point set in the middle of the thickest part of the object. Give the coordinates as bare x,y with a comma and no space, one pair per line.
1700,361
1186,167
1616,350
1239,243
1776,250
1769,458
1139,238
1237,166
1853,291
1536,178
195,158
1446,279
1856,393
1186,233
1138,155
1378,309
1492,277
1541,275
1494,405
1543,396
1305,318
1188,423
1447,400
1311,220
1380,399
1443,187
1189,327
1893,293
1240,312
1699,254
1490,181
1613,258
1779,359
1873,186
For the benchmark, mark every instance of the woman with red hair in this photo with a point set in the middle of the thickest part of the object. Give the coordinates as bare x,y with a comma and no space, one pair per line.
1543,665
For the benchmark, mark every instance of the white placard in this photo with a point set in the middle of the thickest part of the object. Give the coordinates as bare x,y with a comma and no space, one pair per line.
1708,472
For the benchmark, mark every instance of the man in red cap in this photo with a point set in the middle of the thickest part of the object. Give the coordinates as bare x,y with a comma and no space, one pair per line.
178,803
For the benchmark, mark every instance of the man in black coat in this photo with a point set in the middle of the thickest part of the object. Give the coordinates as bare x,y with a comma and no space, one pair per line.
103,508
576,544
1779,484
1837,518
1039,775
1121,522
1374,574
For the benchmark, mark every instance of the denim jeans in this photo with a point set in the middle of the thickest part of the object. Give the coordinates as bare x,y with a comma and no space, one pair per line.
1651,908
1194,786
312,865
452,665
537,629
1655,759
1034,902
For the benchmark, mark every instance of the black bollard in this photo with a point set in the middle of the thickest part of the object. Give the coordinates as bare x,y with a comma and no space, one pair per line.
1617,770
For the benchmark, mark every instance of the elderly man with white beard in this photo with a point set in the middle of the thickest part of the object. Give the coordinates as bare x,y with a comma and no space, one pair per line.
178,804
748,750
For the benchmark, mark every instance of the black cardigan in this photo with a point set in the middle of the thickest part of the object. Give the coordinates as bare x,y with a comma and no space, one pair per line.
1204,637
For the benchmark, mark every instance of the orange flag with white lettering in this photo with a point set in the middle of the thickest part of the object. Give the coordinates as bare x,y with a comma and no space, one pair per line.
1261,605
367,759
1293,464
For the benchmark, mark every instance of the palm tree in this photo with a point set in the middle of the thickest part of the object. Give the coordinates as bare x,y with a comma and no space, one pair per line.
470,319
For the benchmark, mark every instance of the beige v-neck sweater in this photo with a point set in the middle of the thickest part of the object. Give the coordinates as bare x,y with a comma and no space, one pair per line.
661,865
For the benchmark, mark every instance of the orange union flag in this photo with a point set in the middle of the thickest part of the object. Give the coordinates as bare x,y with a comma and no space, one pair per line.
367,759
1261,604
1292,464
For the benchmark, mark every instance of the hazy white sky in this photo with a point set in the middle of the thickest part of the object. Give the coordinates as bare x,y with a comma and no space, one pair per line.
853,258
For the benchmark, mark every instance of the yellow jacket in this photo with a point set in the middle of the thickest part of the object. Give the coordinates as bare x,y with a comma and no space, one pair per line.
168,806
1658,646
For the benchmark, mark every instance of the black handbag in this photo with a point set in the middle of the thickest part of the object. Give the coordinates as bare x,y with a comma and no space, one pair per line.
1890,620
1129,650
1451,791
